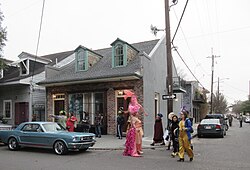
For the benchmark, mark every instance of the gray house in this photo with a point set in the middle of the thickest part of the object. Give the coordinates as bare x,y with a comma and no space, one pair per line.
94,82
195,100
21,99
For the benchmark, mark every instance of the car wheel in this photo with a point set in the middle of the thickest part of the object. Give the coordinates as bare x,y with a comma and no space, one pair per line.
199,135
13,144
60,148
222,135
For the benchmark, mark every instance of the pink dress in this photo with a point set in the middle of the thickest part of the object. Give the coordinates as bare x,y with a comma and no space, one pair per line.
130,145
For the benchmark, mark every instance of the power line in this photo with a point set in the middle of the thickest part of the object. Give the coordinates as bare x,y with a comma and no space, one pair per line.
38,41
180,20
187,66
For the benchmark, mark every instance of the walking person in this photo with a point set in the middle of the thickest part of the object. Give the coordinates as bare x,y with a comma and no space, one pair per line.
120,123
230,119
158,131
71,122
185,126
130,144
134,109
61,118
98,125
241,120
174,130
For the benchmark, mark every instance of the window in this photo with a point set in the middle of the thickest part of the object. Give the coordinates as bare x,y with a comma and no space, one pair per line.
86,105
119,55
81,61
24,67
7,109
1,73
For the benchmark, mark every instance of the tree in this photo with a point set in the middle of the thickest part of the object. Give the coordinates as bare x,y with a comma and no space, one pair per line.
3,38
220,103
245,107
236,107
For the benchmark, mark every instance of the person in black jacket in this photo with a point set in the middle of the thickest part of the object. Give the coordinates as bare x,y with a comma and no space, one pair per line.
174,135
120,123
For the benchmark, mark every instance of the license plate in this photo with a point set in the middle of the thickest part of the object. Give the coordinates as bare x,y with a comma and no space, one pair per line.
208,127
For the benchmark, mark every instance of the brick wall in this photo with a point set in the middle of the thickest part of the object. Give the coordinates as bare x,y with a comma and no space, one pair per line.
109,90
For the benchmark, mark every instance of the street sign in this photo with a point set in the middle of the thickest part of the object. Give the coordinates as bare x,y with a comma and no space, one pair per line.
166,97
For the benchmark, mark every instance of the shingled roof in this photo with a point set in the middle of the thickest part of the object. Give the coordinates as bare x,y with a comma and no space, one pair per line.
12,73
103,68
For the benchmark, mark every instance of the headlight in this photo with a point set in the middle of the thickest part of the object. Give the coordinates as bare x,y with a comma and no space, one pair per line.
75,139
93,137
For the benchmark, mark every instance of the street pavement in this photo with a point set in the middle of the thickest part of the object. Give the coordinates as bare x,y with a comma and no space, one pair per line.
229,153
111,142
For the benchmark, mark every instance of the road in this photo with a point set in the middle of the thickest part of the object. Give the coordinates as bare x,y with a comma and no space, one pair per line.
229,153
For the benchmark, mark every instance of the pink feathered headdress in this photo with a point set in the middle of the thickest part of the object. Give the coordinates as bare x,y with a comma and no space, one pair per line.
128,93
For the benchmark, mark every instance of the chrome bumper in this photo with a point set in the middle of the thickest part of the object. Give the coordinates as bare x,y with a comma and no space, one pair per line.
81,145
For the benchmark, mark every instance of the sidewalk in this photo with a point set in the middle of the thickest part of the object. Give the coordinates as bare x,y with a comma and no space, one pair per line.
111,142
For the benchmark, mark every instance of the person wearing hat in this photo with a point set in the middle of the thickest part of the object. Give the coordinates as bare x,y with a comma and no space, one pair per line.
158,130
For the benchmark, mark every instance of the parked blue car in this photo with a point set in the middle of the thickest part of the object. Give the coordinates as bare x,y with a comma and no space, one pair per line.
46,135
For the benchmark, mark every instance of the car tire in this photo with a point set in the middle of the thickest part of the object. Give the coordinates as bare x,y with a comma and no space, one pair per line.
13,144
60,148
222,135
199,135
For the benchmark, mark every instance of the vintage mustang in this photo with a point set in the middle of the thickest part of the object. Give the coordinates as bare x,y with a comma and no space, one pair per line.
46,135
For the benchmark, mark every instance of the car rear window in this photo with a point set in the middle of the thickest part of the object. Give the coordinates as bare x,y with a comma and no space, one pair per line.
210,121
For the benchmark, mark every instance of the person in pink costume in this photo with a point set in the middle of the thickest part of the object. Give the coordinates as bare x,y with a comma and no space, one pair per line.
133,145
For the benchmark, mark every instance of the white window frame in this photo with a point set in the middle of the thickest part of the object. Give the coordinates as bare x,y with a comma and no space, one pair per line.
119,55
4,111
26,67
81,58
1,73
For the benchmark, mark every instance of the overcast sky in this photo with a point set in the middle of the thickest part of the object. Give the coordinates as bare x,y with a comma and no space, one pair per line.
221,25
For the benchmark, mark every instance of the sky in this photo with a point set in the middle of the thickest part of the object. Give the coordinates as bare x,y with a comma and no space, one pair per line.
209,27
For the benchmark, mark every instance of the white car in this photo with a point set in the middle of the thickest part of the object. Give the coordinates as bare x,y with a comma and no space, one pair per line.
247,120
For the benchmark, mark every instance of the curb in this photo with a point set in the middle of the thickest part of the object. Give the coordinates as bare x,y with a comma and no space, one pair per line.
143,147
122,148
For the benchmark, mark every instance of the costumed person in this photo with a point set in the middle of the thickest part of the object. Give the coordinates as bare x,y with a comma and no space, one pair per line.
185,127
70,124
174,130
130,144
120,123
133,109
61,118
158,130
169,137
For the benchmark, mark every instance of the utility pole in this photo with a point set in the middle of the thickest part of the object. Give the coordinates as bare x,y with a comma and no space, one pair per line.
212,80
169,59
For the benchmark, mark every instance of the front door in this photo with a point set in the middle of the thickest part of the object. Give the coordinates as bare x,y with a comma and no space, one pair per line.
21,112
58,106
121,102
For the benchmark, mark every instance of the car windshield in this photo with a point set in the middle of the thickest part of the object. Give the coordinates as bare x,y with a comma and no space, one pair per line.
52,127
210,121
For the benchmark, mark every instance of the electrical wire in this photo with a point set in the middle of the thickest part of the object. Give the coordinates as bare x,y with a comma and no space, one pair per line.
180,21
187,66
38,42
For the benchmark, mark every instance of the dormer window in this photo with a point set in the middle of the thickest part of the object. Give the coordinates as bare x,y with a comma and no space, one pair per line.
85,58
81,60
1,73
122,53
24,67
119,55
